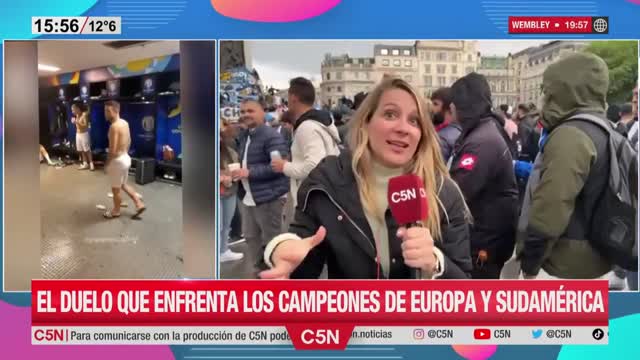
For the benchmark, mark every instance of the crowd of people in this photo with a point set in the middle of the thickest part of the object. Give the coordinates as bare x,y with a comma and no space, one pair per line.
513,190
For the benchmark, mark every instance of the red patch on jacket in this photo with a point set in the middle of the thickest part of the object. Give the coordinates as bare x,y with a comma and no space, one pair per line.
468,161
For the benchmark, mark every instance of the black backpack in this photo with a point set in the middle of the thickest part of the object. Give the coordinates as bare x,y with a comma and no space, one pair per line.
613,228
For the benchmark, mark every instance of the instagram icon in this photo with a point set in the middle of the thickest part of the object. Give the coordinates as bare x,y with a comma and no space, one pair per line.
418,334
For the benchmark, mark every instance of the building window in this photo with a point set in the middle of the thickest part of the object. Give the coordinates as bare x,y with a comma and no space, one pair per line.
452,80
442,81
366,75
395,52
427,56
442,56
329,89
397,63
339,75
469,69
452,57
427,81
328,76
454,69
339,89
385,62
406,52
384,52
502,87
407,63
408,78
441,69
469,57
427,68
356,75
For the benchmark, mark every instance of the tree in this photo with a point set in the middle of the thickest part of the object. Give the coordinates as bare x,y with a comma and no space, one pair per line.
622,59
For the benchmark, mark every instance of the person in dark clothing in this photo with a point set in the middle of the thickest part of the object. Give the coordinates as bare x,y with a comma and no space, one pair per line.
358,99
569,175
285,128
613,113
262,191
227,195
343,130
482,166
448,130
338,120
236,133
626,119
528,132
343,220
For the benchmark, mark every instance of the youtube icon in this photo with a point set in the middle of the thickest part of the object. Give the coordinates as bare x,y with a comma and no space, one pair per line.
482,334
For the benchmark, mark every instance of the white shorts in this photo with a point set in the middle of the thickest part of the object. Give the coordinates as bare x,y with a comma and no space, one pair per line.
118,170
83,142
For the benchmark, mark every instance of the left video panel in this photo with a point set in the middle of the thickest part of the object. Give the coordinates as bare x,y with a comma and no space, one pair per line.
105,201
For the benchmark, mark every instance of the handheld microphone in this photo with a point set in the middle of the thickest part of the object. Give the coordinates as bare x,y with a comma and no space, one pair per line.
408,203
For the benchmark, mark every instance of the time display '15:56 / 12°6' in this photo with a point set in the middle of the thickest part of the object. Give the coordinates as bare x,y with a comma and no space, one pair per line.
76,25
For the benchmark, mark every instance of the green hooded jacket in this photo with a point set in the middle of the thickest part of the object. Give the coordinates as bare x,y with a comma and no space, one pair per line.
548,226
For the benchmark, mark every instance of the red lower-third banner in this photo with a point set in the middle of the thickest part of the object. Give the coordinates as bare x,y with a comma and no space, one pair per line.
284,303
315,314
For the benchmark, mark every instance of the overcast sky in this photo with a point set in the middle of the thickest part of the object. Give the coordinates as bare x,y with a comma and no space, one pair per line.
279,61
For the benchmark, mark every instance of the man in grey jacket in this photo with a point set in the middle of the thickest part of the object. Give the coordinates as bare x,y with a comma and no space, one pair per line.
315,136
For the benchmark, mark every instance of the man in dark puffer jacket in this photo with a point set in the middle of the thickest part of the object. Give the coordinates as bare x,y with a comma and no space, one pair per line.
482,166
262,192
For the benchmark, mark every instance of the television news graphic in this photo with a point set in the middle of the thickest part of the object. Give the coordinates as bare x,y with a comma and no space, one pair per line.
86,25
482,334
408,203
558,24
325,315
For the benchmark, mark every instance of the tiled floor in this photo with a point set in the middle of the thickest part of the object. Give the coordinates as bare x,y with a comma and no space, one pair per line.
78,243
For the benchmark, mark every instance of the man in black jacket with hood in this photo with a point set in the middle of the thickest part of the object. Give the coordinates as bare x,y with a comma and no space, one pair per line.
482,165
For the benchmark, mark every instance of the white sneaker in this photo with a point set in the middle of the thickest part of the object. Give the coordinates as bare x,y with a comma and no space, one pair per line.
84,166
91,167
230,256
615,282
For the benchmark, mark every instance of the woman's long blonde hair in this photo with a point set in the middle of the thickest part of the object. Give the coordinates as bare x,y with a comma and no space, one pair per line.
427,162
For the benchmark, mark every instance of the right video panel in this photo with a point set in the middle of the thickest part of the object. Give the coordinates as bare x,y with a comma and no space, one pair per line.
458,159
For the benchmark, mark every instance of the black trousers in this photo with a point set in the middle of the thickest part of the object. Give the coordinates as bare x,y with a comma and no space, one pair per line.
236,224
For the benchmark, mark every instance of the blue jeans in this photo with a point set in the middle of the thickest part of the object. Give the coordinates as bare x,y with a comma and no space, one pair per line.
632,280
227,209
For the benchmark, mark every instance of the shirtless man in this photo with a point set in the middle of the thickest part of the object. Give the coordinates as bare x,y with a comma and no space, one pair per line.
83,139
118,161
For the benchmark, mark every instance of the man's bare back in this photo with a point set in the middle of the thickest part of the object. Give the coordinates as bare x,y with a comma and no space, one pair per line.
119,138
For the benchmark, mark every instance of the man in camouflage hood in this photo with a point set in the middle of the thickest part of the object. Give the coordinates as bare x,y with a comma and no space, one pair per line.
569,174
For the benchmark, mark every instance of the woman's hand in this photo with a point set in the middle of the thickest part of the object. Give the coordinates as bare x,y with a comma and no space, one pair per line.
289,254
226,180
240,174
417,248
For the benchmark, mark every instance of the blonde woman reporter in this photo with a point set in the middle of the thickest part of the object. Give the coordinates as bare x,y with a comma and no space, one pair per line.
342,218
